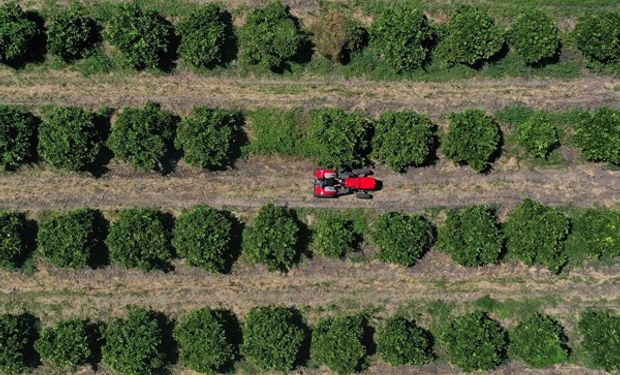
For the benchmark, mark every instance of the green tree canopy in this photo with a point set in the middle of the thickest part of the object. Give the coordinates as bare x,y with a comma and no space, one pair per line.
539,341
140,238
536,233
17,336
535,37
210,137
339,343
475,342
13,239
339,139
143,137
70,139
594,232
134,345
598,136
72,34
72,239
270,36
403,36
204,338
143,37
403,239
204,237
597,36
403,139
18,33
471,37
273,338
18,133
206,33
403,342
537,135
273,239
69,343
471,236
473,138
599,330
334,235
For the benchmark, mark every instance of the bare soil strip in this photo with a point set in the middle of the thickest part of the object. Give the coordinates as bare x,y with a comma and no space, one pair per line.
182,91
255,183
315,283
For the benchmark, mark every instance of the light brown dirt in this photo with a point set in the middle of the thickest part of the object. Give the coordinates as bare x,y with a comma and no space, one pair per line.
182,91
257,182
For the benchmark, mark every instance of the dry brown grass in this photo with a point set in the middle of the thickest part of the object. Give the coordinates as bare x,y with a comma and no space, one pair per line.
182,91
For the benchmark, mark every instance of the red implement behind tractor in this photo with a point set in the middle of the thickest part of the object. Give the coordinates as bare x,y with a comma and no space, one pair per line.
328,183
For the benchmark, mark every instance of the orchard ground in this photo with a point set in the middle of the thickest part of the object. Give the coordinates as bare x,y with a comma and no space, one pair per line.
434,288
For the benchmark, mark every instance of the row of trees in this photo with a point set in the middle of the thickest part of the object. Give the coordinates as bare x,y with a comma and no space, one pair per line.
77,139
277,338
212,239
271,37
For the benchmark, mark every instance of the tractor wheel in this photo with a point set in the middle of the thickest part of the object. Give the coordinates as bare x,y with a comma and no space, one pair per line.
361,171
363,195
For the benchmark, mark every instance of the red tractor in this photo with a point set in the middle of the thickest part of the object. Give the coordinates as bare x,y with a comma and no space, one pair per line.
328,183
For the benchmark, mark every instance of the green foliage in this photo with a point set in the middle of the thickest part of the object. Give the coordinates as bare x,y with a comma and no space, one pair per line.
18,130
205,34
72,34
71,239
403,139
273,239
403,342
535,37
598,136
539,341
69,344
273,338
210,137
599,329
13,244
134,345
473,138
339,139
598,36
336,36
536,233
139,238
334,235
475,342
270,37
70,139
18,33
471,236
471,37
595,232
143,37
537,135
203,236
143,137
403,239
203,337
17,336
276,132
339,343
403,36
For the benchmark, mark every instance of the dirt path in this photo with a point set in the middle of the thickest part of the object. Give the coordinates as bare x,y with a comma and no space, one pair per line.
255,183
180,92
314,283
